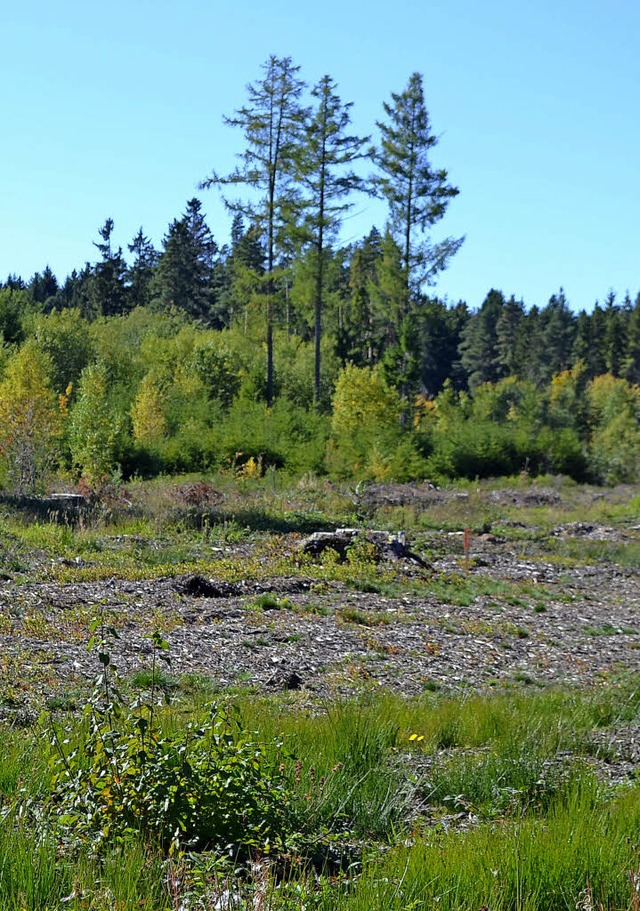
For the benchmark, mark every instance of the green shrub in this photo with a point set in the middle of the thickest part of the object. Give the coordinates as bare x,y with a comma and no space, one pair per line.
96,426
564,453
211,785
474,449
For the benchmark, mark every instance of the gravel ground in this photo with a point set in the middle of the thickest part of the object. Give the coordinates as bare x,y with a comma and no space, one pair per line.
568,624
519,615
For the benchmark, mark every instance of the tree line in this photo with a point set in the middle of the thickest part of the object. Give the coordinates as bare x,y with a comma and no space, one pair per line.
364,324
299,171
153,391
286,348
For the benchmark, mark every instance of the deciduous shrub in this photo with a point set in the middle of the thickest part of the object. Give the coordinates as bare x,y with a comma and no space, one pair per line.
211,785
31,419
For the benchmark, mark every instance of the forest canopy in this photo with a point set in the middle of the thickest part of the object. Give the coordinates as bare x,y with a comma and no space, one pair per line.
285,348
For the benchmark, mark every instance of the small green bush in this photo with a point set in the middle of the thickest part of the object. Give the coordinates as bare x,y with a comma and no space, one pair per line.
208,786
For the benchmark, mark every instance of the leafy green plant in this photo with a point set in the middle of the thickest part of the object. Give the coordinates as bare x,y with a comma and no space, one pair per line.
269,601
95,428
211,785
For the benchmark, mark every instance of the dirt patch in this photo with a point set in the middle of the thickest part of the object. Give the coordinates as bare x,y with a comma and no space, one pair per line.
512,620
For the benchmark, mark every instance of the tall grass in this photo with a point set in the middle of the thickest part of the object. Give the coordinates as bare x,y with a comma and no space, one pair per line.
526,865
436,802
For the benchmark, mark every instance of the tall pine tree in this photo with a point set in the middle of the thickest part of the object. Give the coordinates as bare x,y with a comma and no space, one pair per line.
271,122
417,193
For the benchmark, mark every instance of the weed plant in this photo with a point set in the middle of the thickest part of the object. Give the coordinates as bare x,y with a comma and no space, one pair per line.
209,786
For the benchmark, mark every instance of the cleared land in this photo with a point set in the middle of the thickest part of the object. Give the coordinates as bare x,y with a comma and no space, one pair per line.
464,728
545,598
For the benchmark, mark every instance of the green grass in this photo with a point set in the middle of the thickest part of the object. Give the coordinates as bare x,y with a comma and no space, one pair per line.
607,629
524,864
499,815
438,801
578,550
348,614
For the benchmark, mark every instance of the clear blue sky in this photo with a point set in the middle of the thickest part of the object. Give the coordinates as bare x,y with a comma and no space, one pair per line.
115,110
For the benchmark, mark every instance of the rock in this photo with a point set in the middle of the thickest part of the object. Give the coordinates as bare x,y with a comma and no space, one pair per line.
338,540
199,587
285,680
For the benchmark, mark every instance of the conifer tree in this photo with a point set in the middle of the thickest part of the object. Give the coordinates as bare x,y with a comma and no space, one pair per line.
508,335
243,268
74,293
596,357
417,193
107,292
440,330
614,336
558,330
184,276
532,341
14,305
324,167
632,351
581,341
358,339
140,273
43,288
479,354
271,123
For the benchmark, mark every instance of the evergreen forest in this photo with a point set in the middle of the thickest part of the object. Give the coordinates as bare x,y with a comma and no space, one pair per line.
287,349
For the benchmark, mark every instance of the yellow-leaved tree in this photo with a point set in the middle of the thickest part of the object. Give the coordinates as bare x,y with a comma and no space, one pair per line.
148,412
365,427
614,445
31,419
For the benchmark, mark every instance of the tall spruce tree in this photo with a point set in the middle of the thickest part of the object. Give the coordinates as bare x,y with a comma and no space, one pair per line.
140,273
614,335
440,330
271,122
632,352
359,333
558,332
508,336
74,293
532,343
184,276
479,351
43,289
417,193
324,169
243,269
107,291
596,356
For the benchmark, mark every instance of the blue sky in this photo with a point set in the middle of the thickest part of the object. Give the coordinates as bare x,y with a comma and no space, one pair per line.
116,111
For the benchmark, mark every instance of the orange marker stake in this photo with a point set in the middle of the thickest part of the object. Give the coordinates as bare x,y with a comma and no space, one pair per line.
466,549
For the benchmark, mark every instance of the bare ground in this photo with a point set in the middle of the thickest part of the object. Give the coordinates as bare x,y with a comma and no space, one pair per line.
509,619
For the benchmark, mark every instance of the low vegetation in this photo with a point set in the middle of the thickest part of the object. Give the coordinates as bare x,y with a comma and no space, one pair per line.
463,802
159,789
